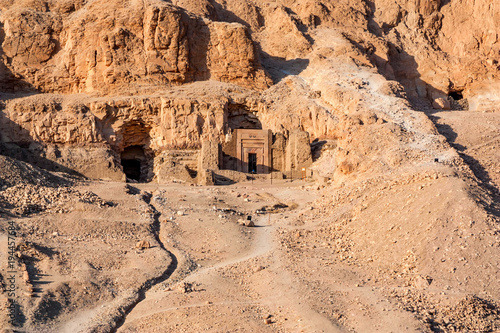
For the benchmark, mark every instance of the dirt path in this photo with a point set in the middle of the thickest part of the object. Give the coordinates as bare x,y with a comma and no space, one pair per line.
288,273
275,292
295,271
172,267
258,287
261,245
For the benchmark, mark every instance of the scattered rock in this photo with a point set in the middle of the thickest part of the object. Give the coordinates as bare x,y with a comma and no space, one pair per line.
26,277
441,104
143,245
185,287
258,268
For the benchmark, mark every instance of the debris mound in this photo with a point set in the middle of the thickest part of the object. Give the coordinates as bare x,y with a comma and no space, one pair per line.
26,189
15,172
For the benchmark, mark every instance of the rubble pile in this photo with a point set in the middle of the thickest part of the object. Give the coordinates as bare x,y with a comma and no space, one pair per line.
26,189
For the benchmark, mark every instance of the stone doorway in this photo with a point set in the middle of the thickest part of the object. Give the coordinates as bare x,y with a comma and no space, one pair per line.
253,150
133,161
252,163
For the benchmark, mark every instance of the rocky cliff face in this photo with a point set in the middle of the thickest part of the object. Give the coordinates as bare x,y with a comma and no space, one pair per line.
439,47
159,121
92,46
95,87
171,74
432,47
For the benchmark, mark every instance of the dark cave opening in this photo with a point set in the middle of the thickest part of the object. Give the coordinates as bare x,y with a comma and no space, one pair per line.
133,161
132,169
456,95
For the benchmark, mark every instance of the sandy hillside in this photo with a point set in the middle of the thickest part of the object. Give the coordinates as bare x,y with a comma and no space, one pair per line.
373,256
395,229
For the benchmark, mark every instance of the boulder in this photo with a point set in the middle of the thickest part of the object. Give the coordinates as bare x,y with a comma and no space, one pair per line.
143,245
441,104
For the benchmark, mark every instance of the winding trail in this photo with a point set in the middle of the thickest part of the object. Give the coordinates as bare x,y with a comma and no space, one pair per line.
156,227
262,244
279,291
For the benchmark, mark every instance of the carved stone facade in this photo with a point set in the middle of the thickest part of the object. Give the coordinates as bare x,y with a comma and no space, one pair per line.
253,150
259,151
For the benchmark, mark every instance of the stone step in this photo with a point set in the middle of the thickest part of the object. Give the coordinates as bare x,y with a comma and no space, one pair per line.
188,158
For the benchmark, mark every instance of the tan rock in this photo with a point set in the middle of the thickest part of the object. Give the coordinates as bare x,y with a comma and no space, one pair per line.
26,277
258,268
101,54
422,282
441,104
143,245
345,167
185,287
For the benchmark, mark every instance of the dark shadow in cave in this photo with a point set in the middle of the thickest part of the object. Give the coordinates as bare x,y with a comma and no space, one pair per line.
133,161
132,169
456,95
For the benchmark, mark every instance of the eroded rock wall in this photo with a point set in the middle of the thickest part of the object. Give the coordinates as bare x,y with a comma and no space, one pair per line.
437,47
342,71
159,122
431,47
102,47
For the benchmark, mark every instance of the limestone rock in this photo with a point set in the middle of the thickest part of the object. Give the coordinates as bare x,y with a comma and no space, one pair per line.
298,151
422,282
441,104
84,49
206,177
26,277
338,70
141,245
463,57
258,268
345,167
210,152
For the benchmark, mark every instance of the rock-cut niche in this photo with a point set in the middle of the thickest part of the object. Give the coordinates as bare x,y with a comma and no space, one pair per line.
134,162
136,156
